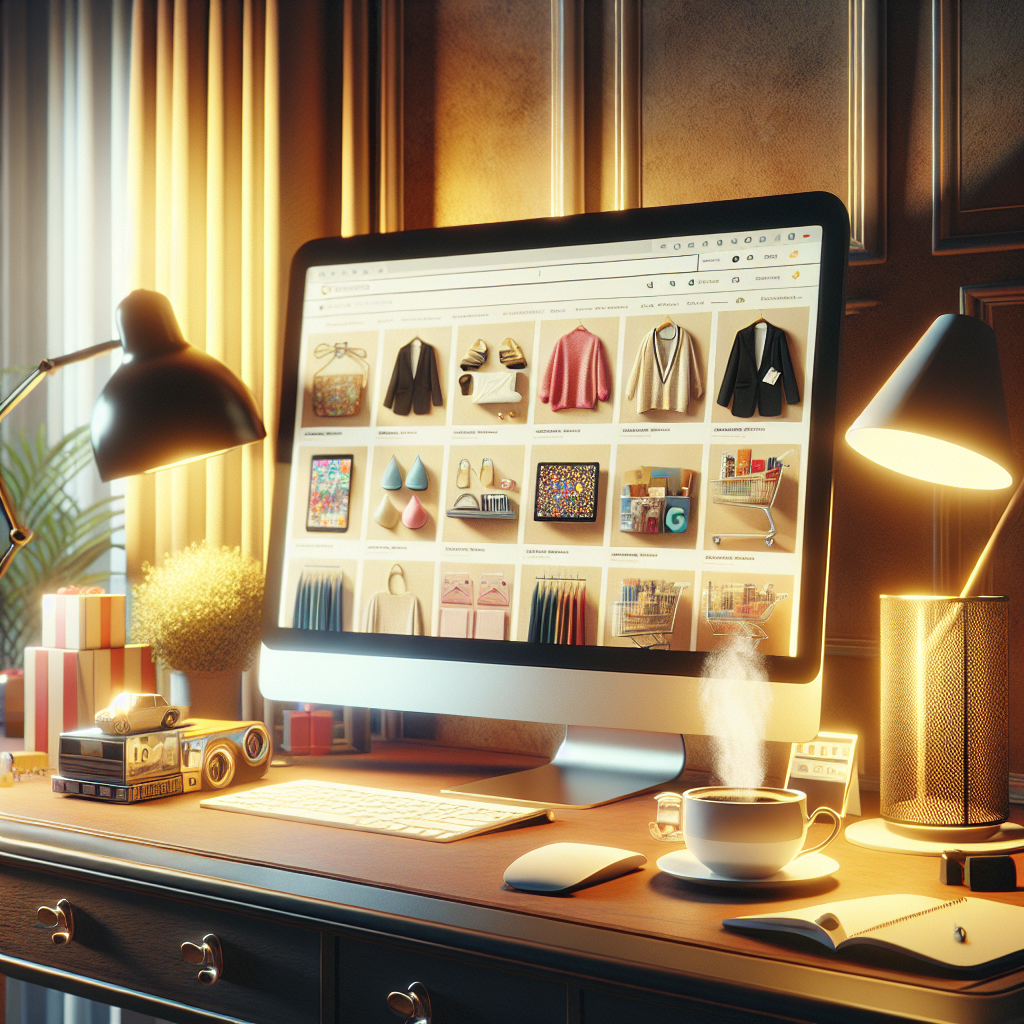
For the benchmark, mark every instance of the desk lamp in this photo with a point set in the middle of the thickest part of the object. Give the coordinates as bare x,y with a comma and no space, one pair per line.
944,779
168,403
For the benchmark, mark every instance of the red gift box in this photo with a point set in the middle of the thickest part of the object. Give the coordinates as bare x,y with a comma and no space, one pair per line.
64,689
82,622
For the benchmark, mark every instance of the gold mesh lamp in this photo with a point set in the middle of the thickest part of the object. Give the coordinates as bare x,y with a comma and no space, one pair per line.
166,404
944,775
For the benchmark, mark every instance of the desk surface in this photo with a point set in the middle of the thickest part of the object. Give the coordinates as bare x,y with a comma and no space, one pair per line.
177,834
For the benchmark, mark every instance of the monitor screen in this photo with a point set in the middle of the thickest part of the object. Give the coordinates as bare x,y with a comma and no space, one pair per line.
538,470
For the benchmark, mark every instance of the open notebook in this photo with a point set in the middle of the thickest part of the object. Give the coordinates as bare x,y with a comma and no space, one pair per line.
961,933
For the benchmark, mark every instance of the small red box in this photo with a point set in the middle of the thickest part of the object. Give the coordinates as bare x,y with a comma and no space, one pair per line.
757,465
296,732
321,732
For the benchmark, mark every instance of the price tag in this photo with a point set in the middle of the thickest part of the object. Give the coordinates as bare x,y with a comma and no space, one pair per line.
826,770
771,376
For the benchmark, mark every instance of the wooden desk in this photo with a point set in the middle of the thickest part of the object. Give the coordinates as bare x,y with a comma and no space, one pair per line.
321,924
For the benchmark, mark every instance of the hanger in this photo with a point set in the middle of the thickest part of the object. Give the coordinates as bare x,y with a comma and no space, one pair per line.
760,319
417,338
668,323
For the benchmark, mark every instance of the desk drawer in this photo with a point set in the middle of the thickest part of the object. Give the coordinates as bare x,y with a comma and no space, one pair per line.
461,990
131,938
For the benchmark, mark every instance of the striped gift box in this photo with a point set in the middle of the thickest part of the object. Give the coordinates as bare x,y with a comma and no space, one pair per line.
83,622
64,689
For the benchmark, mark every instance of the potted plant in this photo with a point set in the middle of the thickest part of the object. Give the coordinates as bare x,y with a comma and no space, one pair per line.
201,613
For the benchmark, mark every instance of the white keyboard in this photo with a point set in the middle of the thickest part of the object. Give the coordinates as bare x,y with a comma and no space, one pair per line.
435,818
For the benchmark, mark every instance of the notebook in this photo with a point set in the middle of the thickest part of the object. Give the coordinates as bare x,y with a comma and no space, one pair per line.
961,933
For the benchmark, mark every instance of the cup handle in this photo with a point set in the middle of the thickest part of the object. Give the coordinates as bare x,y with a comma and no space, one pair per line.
835,831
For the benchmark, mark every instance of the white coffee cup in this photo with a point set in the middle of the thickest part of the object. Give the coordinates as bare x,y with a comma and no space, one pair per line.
749,833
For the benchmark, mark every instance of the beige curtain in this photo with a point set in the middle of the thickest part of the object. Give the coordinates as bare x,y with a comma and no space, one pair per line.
234,145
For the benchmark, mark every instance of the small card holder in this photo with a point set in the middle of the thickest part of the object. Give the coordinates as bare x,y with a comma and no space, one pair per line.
566,492
493,590
456,588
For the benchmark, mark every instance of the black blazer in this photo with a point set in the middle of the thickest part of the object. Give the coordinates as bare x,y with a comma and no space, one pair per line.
405,392
744,381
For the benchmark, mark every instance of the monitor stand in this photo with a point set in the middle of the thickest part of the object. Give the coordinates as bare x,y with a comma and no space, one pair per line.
591,767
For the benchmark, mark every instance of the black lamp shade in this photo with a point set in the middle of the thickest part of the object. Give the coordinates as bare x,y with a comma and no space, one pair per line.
942,416
168,402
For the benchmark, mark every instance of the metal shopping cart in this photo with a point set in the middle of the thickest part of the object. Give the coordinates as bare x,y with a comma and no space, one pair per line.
738,609
755,490
649,618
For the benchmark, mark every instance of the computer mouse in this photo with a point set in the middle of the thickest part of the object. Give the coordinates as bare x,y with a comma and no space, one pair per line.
563,867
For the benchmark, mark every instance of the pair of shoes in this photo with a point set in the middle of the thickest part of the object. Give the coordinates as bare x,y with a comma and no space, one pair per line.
414,516
415,479
486,474
511,355
476,356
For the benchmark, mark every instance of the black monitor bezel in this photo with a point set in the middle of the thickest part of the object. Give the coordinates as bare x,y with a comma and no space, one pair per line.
748,215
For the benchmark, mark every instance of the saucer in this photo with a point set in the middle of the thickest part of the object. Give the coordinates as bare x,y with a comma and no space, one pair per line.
682,864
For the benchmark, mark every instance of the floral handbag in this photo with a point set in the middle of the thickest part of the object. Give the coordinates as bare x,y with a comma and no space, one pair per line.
340,393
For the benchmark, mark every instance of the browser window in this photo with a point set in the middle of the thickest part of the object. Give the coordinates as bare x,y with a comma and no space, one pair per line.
597,445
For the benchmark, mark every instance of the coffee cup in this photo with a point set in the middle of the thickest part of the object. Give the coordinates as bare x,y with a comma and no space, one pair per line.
749,833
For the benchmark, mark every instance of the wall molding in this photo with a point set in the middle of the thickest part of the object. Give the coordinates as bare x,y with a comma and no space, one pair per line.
567,158
866,146
356,193
981,299
955,230
391,114
628,137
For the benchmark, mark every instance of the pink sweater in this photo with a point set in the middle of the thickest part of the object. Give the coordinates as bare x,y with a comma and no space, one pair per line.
577,374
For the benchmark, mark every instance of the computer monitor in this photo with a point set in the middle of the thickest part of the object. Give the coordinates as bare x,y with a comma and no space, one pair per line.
537,470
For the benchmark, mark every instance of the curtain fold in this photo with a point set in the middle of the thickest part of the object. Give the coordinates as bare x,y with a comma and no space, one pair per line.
233,162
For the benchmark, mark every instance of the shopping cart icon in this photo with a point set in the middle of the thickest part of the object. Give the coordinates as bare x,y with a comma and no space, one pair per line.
738,609
649,619
755,490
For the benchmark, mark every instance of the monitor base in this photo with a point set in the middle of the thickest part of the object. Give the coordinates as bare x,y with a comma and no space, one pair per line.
591,767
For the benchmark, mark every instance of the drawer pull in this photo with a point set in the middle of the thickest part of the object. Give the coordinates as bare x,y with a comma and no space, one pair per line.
413,1005
208,956
60,919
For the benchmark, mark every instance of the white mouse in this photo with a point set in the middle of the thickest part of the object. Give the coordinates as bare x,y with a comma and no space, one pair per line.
562,867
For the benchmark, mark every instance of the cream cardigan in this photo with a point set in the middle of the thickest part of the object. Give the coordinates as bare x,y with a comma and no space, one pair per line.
665,388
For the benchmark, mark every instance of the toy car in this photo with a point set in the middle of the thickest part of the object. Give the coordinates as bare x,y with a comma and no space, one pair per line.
138,712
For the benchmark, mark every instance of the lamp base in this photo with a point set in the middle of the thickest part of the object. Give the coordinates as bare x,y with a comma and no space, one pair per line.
951,835
879,834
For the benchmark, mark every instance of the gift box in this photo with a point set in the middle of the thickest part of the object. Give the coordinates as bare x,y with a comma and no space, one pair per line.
83,622
64,689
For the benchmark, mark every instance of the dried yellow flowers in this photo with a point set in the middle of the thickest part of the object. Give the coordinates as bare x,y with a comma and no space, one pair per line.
201,610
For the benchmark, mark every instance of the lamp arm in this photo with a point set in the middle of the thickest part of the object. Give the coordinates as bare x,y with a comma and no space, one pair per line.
993,540
19,536
48,365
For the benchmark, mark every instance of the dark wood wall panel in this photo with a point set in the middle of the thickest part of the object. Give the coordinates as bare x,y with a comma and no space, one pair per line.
991,106
750,101
978,107
477,111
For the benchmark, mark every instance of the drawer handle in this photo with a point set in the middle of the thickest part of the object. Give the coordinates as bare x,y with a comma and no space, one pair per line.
61,919
208,956
413,1005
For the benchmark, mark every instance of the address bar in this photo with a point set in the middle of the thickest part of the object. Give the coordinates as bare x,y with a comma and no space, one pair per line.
386,285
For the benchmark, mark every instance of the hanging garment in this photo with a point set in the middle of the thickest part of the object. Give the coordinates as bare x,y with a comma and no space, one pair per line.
577,374
318,600
665,374
757,386
581,617
408,390
534,630
394,610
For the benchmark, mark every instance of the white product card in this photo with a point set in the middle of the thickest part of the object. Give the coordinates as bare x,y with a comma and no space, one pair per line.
771,376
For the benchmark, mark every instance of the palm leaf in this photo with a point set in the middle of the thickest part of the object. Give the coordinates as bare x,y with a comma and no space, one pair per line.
68,541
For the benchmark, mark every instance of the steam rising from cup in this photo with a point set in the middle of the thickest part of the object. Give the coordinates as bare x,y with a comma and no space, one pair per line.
735,700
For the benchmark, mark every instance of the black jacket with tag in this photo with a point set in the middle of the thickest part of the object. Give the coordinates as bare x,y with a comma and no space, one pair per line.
406,391
744,381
